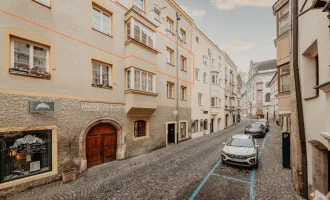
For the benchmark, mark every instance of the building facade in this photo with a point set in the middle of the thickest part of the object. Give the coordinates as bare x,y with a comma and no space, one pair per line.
273,84
258,90
314,72
116,89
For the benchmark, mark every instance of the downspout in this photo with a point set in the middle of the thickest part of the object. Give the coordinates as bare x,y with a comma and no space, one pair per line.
299,99
210,89
177,78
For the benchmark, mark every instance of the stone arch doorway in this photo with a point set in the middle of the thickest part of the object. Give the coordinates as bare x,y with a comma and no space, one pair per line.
320,167
101,144
112,138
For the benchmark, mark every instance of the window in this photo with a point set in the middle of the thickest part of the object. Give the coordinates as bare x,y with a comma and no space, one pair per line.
195,126
197,39
205,77
140,80
170,23
268,97
285,78
213,61
139,4
183,35
140,33
284,20
183,63
183,130
140,128
219,66
169,56
214,102
200,99
157,14
170,90
44,2
25,154
202,125
101,21
214,79
101,74
183,93
205,60
29,59
197,74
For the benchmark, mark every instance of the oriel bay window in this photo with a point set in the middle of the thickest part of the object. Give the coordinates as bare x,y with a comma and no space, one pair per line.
101,75
25,154
137,79
29,59
141,33
283,20
284,78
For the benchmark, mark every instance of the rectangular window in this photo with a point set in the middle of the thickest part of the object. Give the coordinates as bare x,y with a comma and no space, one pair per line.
29,59
140,80
44,2
213,61
197,74
183,93
200,99
205,60
157,14
139,4
102,21
183,63
170,90
140,33
169,56
24,154
170,23
183,35
101,75
214,79
183,130
285,78
283,20
213,102
205,77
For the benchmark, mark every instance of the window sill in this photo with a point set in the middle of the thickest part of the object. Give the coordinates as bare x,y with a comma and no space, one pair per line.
103,87
29,74
311,98
47,6
141,138
109,35
157,20
141,92
184,100
170,97
173,34
170,64
132,40
184,70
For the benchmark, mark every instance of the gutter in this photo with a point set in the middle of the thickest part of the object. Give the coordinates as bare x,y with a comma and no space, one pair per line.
299,99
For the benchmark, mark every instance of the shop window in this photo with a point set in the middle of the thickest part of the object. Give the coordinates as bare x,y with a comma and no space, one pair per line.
140,128
25,154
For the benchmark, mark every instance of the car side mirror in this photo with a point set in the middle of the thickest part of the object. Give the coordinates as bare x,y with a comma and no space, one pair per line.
224,143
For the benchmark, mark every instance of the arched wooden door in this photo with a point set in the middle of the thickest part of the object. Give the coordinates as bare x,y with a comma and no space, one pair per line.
101,144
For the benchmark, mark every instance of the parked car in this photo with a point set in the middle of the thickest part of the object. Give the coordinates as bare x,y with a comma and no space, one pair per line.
264,122
256,130
240,149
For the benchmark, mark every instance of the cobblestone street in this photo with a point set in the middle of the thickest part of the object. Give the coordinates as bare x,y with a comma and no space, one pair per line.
189,170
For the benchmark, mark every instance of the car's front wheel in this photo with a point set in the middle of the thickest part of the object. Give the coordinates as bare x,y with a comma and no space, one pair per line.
257,163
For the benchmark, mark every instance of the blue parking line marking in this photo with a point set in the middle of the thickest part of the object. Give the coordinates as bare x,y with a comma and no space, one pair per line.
193,196
231,178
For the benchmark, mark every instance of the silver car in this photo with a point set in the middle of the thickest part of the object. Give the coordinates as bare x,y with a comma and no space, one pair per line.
240,149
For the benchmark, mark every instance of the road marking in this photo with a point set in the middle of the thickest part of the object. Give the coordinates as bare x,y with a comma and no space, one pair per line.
193,196
231,178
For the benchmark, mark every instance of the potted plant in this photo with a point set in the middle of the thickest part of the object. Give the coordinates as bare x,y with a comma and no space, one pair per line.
69,172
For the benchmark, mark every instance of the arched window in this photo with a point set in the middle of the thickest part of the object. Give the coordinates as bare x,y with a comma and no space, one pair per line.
140,128
201,125
268,97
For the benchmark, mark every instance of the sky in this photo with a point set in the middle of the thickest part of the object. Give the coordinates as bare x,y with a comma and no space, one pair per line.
245,29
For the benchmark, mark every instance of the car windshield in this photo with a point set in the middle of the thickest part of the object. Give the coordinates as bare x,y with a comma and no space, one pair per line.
264,123
254,126
262,120
239,142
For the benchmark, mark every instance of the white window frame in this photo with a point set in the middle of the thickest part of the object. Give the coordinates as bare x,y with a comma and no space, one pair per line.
183,93
44,2
169,55
130,28
205,77
139,4
200,99
169,24
130,80
205,60
183,35
197,74
170,90
183,61
101,73
101,24
215,79
31,45
157,16
283,20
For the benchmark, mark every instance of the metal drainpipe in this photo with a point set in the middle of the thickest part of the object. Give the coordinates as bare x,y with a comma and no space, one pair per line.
209,82
299,99
177,77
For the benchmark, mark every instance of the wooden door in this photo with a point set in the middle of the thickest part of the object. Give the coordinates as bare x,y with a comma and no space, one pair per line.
101,144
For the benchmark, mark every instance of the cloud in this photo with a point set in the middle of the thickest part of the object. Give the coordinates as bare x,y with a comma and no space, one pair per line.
232,4
239,46
193,12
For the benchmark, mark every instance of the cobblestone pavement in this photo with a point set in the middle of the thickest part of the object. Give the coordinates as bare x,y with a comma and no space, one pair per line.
175,172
